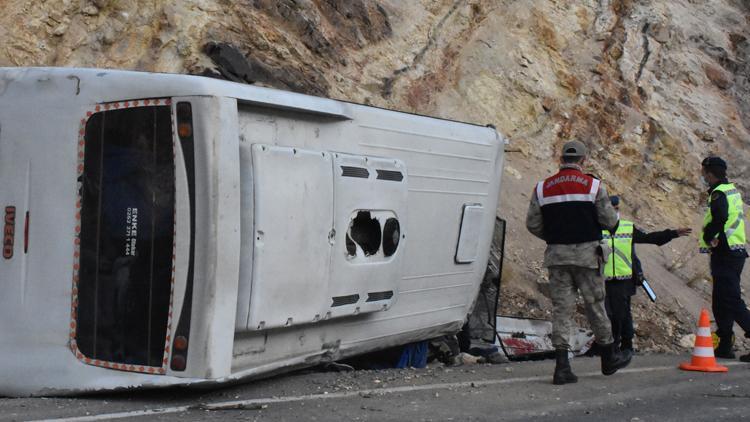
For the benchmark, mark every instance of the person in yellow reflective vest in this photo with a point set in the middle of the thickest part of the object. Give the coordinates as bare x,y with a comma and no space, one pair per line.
724,237
622,272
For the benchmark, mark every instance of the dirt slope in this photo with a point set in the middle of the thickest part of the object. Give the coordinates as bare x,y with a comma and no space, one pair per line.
652,86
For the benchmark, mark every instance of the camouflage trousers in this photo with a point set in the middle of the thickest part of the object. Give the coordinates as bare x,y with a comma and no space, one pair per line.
564,281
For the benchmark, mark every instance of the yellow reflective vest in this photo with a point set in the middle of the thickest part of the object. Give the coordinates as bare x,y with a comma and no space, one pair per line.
734,228
620,263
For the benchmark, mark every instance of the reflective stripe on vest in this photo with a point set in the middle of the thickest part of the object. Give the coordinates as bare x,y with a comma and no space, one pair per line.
588,196
620,263
734,228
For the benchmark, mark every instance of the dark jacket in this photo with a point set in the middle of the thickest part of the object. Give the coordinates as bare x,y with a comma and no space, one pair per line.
568,203
654,238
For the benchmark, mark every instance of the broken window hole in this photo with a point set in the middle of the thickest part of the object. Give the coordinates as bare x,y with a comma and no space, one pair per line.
364,231
391,236
351,247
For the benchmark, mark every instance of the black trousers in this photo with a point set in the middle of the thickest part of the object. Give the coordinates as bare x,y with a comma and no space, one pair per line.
617,304
726,298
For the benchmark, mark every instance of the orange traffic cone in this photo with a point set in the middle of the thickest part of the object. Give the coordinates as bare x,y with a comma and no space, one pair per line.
703,353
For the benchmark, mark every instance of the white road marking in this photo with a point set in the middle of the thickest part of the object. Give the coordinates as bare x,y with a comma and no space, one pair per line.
256,403
121,415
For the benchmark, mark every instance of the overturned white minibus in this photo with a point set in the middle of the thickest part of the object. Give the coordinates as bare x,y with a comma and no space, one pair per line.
178,230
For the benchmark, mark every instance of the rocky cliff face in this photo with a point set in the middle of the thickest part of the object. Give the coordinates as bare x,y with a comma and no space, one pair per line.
652,87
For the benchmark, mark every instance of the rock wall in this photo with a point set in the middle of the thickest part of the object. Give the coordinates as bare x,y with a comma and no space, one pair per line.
652,86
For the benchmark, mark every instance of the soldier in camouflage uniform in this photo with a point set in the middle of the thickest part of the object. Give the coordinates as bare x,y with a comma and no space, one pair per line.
568,211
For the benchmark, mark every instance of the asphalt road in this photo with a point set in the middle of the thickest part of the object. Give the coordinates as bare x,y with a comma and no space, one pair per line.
651,389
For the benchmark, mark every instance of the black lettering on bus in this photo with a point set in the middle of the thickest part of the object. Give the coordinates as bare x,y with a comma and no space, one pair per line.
9,232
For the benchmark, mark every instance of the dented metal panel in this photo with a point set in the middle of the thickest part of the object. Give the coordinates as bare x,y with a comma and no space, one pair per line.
524,336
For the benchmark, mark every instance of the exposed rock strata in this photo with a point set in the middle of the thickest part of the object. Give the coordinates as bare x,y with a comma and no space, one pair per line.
653,86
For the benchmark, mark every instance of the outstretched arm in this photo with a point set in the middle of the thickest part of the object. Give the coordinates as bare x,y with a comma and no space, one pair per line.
658,238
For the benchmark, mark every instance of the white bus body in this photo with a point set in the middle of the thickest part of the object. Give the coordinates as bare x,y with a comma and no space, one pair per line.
180,230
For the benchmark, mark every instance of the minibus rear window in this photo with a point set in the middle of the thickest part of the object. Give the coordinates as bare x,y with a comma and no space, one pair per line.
127,235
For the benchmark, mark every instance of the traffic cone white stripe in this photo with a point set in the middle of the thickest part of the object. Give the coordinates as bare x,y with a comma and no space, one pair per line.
703,352
703,358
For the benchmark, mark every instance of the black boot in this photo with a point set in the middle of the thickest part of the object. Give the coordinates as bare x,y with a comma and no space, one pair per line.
594,350
724,351
626,347
612,360
626,344
563,373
